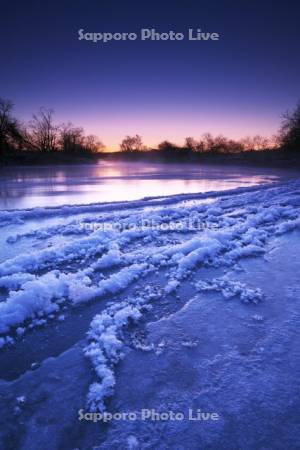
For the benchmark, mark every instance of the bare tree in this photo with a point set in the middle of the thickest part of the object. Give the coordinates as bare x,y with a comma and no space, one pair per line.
132,143
207,142
290,130
259,142
44,132
71,139
256,142
247,143
191,144
10,129
219,144
6,107
234,146
93,145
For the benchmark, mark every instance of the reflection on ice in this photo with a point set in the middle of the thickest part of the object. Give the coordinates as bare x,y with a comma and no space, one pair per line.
28,187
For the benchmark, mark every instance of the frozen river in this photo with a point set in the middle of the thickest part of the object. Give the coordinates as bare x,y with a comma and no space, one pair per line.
115,304
35,186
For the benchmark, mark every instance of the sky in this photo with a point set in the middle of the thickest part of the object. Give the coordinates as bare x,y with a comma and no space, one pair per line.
239,85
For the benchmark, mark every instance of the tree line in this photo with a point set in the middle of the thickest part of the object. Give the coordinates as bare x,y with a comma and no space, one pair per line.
288,138
206,144
44,135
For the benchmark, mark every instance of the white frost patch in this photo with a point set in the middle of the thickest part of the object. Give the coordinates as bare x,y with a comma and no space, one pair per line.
41,296
230,289
104,349
111,259
133,443
171,286
16,280
106,343
207,249
258,318
35,296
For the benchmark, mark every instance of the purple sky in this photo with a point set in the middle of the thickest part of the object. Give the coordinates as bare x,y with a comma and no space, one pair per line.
237,86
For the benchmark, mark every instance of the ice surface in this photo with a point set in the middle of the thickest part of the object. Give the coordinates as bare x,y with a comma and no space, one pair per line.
48,272
199,250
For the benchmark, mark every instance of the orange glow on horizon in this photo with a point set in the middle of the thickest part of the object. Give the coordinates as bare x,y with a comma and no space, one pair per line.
153,131
112,127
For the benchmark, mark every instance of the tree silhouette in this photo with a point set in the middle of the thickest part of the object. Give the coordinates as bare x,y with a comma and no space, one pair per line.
44,132
132,143
10,132
290,130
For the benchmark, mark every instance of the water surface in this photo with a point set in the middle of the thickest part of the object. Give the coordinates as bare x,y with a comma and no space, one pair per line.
32,186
